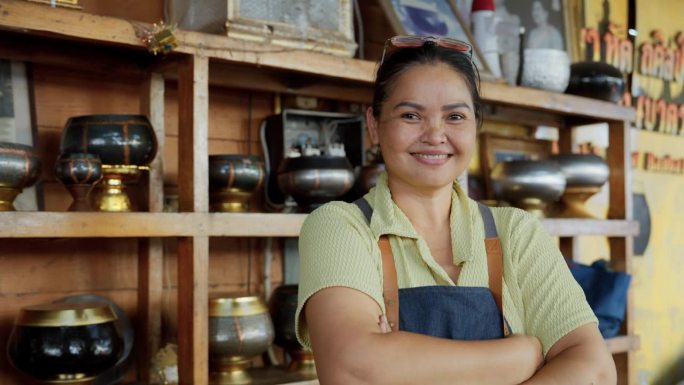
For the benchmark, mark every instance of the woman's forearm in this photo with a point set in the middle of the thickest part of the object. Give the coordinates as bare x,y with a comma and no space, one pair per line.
408,358
586,364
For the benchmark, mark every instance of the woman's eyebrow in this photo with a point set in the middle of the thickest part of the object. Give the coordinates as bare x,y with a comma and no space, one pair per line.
454,106
410,105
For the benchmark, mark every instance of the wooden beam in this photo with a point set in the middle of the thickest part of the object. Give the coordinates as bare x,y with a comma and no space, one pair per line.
193,310
193,252
193,128
151,250
619,162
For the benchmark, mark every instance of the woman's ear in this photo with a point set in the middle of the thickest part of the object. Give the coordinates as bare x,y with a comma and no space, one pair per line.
372,125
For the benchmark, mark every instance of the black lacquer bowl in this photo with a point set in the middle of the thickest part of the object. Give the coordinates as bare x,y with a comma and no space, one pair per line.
282,306
233,179
116,139
19,168
596,80
65,342
315,180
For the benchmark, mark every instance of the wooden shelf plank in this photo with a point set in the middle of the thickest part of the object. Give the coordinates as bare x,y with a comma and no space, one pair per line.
138,224
623,344
575,227
36,19
564,104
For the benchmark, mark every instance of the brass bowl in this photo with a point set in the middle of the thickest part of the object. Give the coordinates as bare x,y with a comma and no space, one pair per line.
65,342
585,174
240,329
19,168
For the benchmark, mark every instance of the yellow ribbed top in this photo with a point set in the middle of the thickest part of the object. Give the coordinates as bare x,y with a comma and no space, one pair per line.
338,248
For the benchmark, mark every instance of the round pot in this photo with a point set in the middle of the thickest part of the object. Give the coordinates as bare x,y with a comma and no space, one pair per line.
19,168
582,170
528,184
282,307
78,173
124,140
233,179
596,80
547,69
65,342
315,180
368,177
240,329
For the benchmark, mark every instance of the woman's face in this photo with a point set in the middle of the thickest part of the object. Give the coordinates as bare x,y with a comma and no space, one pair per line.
427,127
539,14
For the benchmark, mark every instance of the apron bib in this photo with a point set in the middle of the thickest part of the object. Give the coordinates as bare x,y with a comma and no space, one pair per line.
454,312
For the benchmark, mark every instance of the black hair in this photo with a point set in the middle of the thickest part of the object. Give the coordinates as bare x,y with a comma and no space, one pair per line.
402,59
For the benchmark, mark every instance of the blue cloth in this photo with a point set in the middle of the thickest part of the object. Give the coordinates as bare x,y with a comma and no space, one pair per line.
454,312
606,292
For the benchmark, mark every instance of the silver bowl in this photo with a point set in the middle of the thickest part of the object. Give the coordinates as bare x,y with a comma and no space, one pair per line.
528,184
585,174
582,170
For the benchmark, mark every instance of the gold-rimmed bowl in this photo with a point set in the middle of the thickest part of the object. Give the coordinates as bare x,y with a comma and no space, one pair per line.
67,343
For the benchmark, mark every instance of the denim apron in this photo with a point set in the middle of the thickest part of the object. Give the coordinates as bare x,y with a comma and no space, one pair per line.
454,312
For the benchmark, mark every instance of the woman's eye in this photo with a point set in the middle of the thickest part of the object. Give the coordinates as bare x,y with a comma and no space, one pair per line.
456,116
409,116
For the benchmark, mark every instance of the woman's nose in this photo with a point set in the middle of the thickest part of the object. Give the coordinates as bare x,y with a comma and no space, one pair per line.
433,132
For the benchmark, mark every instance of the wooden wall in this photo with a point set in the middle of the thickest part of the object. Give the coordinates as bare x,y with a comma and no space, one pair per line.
43,270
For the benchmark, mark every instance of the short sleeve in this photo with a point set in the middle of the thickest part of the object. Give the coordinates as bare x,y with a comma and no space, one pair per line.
336,248
554,303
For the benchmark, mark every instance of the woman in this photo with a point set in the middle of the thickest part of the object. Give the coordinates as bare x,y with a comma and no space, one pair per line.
544,35
425,114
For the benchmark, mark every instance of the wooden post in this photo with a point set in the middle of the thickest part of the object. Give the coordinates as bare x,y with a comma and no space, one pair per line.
193,252
619,162
151,250
567,245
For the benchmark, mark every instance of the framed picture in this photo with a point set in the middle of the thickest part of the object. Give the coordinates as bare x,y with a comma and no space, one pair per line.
495,149
546,22
433,18
16,120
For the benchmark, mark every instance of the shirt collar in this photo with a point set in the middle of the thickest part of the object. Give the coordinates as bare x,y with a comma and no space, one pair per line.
389,219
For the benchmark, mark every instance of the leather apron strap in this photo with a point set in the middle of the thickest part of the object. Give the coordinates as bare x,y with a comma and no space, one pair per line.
390,287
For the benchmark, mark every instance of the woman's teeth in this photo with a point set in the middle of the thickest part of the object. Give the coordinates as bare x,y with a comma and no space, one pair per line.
431,156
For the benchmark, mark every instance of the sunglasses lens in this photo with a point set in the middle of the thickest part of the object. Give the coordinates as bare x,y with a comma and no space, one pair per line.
407,41
456,45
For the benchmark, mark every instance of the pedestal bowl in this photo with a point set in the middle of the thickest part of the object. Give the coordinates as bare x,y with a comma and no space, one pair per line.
584,174
596,80
233,179
282,307
240,329
19,168
315,180
125,144
528,184
79,173
68,343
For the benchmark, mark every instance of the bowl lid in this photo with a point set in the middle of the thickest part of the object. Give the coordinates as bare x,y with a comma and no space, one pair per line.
236,306
65,314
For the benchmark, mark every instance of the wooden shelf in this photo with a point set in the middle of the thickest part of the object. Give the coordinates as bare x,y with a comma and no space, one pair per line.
623,344
260,60
574,227
122,225
129,225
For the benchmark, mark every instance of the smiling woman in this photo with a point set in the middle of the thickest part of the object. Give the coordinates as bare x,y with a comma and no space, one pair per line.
417,283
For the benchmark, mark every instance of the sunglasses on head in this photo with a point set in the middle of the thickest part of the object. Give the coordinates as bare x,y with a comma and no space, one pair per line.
419,41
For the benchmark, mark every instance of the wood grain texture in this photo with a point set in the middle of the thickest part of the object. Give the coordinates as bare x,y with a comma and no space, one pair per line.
151,251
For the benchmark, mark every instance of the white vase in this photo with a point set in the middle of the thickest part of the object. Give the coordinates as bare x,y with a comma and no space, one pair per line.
547,69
